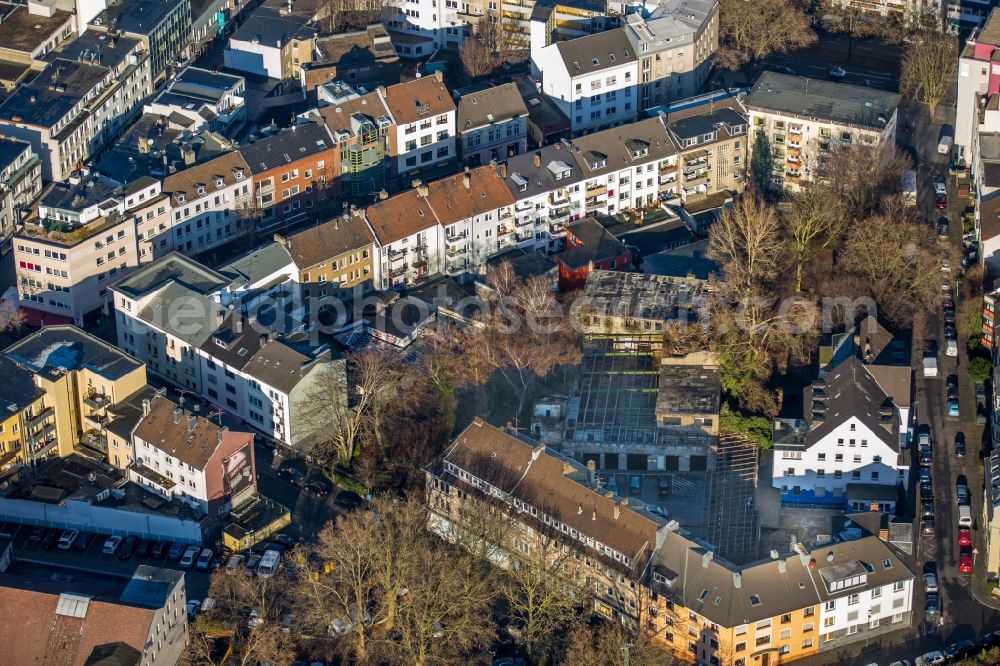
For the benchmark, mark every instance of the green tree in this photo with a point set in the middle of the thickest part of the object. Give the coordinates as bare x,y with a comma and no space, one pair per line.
756,428
979,368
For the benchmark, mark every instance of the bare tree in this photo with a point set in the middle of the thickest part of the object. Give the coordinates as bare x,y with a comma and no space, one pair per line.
928,69
477,59
606,644
751,31
340,16
746,242
809,221
851,20
501,36
901,266
857,193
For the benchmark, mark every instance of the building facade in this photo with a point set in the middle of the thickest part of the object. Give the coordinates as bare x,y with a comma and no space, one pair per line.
492,125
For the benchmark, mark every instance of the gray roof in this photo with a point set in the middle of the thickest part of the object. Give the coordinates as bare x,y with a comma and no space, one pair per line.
595,243
173,267
525,179
639,296
257,265
90,191
597,52
236,341
490,106
150,587
10,150
706,123
53,93
672,23
679,262
198,86
286,146
842,103
617,147
268,26
183,313
53,350
126,414
278,365
140,17
17,388
688,389
96,46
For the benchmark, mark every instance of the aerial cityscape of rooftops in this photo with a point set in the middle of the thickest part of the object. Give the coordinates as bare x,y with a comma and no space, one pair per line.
507,333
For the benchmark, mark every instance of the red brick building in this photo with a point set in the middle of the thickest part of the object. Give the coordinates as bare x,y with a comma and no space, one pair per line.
589,246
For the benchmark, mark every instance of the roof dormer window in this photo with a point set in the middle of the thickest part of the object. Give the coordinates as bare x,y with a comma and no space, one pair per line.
181,198
220,181
201,189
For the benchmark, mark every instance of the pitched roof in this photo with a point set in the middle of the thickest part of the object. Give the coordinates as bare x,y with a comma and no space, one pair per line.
595,243
257,265
270,27
534,172
287,146
172,267
190,438
493,105
419,99
620,147
327,240
400,216
346,116
280,366
17,388
452,201
208,175
597,52
183,313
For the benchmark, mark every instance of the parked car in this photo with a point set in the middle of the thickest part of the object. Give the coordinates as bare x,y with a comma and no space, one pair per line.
319,488
940,189
234,564
68,538
926,491
635,485
111,545
84,540
252,563
933,608
176,551
941,202
964,537
953,408
269,563
965,562
293,475
50,539
284,539
924,439
142,550
204,559
989,640
255,619
193,606
925,457
925,476
782,69
837,73
189,557
952,392
347,500
960,444
37,534
927,509
927,525
159,550
942,229
931,658
960,649
128,547
980,391
664,486
930,582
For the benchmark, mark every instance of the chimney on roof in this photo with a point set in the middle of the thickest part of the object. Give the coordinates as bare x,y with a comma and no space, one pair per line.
503,169
188,154
467,179
415,183
439,75
782,567
145,407
239,325
706,558
537,451
579,510
178,413
618,510
423,191
538,159
737,580
591,470
192,420
593,515
383,195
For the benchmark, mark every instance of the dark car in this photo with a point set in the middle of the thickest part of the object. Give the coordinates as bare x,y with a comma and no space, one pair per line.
159,550
142,550
933,607
927,525
37,534
952,392
942,228
176,550
941,202
128,547
960,649
927,509
318,488
83,541
960,444
50,539
293,476
925,477
925,457
926,491
990,640
348,501
284,539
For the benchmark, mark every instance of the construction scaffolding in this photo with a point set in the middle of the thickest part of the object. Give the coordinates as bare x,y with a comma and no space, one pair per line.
733,521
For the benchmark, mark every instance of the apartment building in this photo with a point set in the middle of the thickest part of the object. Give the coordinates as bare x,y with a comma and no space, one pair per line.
163,27
797,121
184,455
713,148
593,80
137,620
28,32
173,315
675,43
24,400
204,99
651,574
978,78
546,185
365,133
291,171
211,203
80,377
80,102
20,185
334,259
492,124
425,124
852,442
991,503
82,236
408,238
561,20
272,42
912,13
360,58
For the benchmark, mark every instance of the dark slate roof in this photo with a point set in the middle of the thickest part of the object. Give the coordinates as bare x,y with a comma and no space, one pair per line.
53,93
114,654
826,100
688,389
522,172
287,146
10,150
698,125
597,52
55,349
140,17
596,243
272,28
173,267
17,388
991,174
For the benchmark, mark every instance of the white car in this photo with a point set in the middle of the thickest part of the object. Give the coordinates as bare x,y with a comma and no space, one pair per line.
111,545
940,189
930,582
930,659
67,539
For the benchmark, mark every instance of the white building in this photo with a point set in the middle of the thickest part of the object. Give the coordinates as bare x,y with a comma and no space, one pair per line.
425,123
978,77
209,100
592,79
409,241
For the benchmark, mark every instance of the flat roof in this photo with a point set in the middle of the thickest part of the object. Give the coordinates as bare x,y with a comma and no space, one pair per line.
20,30
140,17
842,103
53,93
53,350
173,267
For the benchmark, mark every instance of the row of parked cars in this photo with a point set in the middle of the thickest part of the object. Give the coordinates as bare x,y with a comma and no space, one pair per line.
954,652
125,547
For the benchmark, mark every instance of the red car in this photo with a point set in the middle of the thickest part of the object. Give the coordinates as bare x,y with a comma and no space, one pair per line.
965,563
964,538
941,202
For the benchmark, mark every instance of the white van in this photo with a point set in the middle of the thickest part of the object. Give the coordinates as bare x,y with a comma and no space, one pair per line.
269,564
189,557
964,516
951,348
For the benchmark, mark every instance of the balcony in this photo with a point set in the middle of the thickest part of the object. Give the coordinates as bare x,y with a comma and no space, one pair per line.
396,255
505,230
97,421
457,251
524,221
525,237
667,169
703,179
97,401
794,146
456,236
792,129
556,229
152,477
399,271
504,214
792,159
456,267
420,260
596,191
40,417
668,178
559,198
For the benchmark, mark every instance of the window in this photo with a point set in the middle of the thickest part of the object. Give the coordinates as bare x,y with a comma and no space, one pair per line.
853,599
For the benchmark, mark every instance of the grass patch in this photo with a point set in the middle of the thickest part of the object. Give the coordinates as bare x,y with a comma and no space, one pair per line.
347,482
